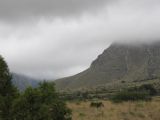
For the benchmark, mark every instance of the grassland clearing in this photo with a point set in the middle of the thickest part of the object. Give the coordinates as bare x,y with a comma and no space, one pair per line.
138,110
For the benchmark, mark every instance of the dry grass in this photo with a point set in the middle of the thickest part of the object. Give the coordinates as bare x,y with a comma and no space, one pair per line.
117,111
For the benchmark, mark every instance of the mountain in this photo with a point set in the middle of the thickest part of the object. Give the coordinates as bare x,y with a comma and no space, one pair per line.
120,63
22,82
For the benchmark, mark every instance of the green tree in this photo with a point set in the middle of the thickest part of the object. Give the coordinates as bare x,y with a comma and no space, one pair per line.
149,88
40,103
7,91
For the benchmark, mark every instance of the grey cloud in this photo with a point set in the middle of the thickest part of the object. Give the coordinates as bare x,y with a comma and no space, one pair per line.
22,9
62,46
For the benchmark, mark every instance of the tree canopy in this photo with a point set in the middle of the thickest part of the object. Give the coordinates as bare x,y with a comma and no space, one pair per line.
41,103
7,91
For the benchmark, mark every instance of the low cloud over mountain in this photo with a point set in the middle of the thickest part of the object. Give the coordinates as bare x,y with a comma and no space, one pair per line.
52,39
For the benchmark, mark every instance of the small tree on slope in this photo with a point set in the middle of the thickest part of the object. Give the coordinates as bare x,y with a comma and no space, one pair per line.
7,91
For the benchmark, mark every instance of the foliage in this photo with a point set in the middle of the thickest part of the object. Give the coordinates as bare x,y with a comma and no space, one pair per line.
130,96
143,92
41,103
7,91
150,88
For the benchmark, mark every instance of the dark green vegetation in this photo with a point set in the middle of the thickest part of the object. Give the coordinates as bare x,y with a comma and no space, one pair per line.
144,92
120,65
130,96
41,103
7,91
131,93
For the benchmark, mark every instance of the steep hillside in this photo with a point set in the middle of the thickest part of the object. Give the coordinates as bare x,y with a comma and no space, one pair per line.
23,82
119,62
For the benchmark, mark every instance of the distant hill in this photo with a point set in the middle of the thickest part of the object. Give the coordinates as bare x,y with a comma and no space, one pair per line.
22,82
120,63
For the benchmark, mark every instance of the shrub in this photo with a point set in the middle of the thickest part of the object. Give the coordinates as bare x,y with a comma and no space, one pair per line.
40,103
143,92
150,88
7,91
130,96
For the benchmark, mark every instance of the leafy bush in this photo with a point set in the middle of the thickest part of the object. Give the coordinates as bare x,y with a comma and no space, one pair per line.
130,96
149,88
40,103
143,92
7,91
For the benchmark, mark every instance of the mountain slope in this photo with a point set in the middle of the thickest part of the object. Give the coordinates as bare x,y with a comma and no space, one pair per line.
22,82
118,62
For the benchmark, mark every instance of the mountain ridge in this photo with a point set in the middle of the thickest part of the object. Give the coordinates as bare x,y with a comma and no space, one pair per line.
127,62
22,81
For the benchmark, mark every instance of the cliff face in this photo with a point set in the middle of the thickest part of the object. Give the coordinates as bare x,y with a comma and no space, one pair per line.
118,62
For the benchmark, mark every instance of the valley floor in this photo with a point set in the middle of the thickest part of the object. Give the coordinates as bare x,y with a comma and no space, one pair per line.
139,110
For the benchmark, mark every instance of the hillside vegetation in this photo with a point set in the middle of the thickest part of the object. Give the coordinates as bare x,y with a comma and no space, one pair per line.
41,103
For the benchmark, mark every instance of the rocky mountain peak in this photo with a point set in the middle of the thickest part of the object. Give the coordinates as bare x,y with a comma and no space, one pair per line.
127,62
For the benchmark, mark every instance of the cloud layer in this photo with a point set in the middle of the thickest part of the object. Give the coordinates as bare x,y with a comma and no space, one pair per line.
24,9
54,39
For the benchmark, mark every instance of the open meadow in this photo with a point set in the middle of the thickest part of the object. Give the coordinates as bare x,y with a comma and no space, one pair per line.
139,110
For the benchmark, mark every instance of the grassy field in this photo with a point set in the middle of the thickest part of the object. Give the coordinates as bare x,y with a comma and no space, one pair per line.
139,110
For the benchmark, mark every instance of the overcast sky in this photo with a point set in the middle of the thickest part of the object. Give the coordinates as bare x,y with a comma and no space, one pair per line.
57,38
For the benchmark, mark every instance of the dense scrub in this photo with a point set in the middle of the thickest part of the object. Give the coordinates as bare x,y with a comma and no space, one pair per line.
144,92
141,91
130,96
41,103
